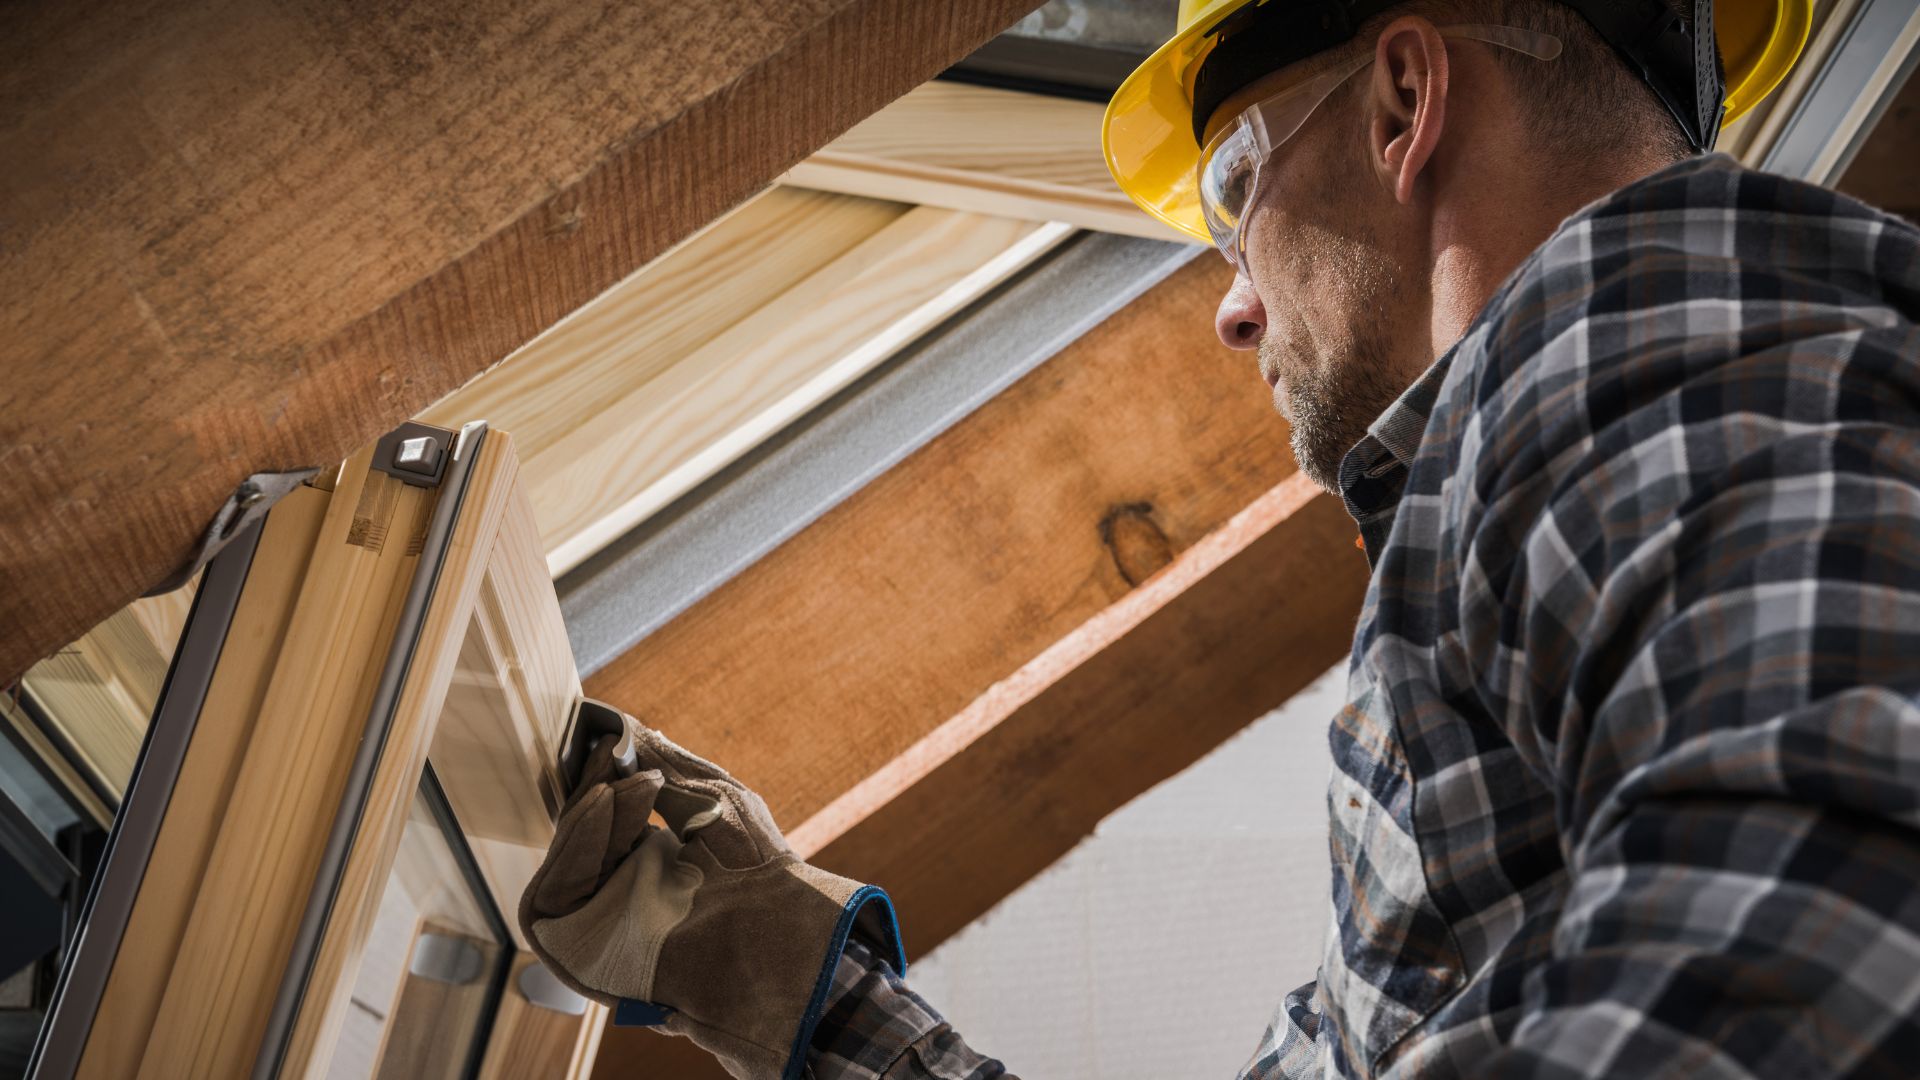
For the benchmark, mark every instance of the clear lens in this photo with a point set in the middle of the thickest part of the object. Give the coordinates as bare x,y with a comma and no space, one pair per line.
1230,164
1226,182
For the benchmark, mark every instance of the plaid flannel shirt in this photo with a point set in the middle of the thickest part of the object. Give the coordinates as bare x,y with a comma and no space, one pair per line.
1629,781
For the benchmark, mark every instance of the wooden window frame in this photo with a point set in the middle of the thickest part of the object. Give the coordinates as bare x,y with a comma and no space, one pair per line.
221,967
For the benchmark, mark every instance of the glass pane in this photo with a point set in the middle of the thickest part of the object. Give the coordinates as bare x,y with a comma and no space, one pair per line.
69,734
433,965
1138,26
93,699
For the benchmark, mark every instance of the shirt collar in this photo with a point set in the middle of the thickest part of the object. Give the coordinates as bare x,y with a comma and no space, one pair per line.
1371,473
1374,472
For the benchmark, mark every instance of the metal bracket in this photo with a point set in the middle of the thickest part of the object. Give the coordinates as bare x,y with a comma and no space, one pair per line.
592,721
446,958
248,504
414,453
544,990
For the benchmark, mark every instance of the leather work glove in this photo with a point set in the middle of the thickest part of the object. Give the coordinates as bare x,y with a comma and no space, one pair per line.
711,927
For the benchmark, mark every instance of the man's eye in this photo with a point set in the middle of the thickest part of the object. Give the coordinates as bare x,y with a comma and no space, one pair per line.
1234,186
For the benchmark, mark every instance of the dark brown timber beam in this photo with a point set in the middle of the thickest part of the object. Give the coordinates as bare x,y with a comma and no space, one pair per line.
248,235
944,683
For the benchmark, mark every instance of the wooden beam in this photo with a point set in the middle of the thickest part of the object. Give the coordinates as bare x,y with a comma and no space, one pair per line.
951,570
984,151
247,236
694,360
1230,631
946,681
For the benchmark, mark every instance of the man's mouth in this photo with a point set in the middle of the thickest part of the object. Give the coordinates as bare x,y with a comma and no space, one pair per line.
1272,375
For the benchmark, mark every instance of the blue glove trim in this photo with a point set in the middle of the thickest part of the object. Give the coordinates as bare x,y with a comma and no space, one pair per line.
632,1013
893,952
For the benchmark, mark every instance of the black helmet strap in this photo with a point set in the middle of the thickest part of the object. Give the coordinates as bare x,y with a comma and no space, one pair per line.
1677,58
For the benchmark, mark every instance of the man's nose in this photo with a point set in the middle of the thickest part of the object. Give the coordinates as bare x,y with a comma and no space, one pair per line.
1241,318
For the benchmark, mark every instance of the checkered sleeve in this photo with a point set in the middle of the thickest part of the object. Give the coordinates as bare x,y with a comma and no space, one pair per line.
874,1028
1692,592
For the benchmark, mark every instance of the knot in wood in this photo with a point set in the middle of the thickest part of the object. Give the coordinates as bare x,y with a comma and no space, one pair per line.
1136,542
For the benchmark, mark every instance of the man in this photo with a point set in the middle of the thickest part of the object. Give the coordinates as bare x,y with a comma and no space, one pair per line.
1629,783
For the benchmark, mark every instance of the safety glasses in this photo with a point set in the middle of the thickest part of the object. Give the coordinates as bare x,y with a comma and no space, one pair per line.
1230,163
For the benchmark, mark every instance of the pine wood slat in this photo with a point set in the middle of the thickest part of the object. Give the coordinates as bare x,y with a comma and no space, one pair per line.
288,784
396,778
986,151
209,774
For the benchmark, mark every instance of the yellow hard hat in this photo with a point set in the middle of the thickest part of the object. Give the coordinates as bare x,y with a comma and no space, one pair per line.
1148,133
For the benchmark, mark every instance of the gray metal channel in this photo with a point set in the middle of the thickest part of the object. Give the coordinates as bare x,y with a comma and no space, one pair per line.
1842,82
667,563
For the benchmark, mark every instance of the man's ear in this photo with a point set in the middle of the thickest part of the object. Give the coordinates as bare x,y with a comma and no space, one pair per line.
1409,91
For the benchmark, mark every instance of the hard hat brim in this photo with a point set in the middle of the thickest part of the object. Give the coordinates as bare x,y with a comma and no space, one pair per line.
1147,133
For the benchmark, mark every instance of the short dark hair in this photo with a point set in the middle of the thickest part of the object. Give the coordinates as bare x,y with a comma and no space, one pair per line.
1588,100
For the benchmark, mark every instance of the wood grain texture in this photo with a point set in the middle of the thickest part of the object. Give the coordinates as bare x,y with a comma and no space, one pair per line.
497,748
946,682
839,650
1268,609
288,786
245,236
65,775
638,397
209,773
99,692
627,336
403,756
985,151
531,1043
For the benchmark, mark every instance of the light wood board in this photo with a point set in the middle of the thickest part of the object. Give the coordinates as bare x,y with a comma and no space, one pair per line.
691,363
985,151
497,748
268,844
203,792
396,777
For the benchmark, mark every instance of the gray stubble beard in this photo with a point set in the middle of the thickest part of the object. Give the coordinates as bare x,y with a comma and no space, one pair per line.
1331,408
